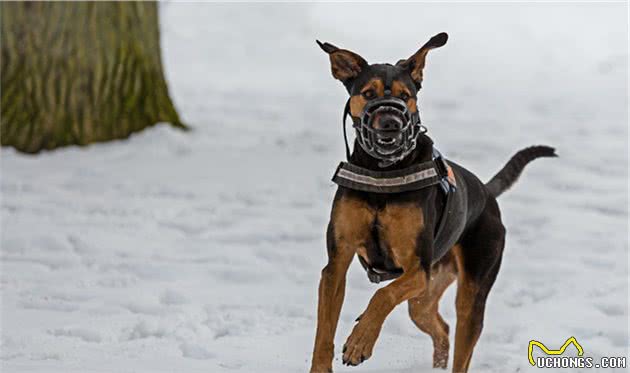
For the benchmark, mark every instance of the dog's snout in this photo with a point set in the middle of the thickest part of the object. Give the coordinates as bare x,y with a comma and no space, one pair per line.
388,123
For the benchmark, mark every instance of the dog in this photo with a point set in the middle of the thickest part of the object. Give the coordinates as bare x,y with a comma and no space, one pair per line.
409,216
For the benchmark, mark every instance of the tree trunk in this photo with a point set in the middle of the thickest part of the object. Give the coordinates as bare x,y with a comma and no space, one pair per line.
80,72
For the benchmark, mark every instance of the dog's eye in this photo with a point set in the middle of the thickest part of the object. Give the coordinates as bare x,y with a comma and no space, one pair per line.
404,96
369,94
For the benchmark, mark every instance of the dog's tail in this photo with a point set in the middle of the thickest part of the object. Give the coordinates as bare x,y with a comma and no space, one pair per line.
508,175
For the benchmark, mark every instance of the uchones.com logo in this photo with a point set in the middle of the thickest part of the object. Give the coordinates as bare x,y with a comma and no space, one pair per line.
558,358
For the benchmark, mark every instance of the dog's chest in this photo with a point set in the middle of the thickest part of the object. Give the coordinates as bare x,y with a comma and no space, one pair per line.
377,251
385,237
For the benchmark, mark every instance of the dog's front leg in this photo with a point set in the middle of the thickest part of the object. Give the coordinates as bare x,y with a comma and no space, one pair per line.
331,293
402,227
360,343
349,229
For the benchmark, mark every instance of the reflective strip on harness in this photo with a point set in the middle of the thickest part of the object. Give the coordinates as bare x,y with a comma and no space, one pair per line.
413,178
394,181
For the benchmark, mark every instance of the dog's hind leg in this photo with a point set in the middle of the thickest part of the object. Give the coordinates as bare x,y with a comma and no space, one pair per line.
423,310
478,261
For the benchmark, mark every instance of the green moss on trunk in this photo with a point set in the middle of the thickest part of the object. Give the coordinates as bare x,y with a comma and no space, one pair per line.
80,72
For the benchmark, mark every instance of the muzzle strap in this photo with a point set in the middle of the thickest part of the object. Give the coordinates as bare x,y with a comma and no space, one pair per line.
346,111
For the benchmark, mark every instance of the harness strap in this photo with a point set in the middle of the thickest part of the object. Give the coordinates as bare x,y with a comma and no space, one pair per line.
376,276
416,177
439,237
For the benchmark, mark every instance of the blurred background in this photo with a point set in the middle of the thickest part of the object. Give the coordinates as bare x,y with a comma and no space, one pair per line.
201,250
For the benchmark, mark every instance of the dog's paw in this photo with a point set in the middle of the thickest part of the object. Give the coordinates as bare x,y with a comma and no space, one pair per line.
359,345
440,358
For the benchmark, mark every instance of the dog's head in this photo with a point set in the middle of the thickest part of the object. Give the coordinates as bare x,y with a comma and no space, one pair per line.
383,98
366,82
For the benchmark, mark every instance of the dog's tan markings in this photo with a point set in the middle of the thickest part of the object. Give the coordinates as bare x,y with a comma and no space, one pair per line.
398,89
423,310
469,319
400,225
357,102
412,105
362,251
351,219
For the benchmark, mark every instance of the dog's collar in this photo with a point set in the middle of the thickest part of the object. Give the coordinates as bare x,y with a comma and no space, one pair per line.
416,177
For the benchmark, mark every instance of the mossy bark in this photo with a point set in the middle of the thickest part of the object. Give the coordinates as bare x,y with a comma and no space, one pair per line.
80,72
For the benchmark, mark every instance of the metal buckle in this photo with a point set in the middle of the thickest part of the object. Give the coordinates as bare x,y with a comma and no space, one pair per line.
373,276
442,167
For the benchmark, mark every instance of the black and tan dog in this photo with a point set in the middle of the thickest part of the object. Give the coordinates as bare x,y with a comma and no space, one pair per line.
396,232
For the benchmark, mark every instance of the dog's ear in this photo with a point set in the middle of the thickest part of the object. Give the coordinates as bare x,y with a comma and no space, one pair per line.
344,64
415,63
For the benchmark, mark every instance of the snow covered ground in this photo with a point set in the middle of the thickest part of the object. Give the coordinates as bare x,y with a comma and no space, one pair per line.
201,251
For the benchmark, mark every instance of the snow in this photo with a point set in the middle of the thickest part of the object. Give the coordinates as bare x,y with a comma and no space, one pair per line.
201,251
